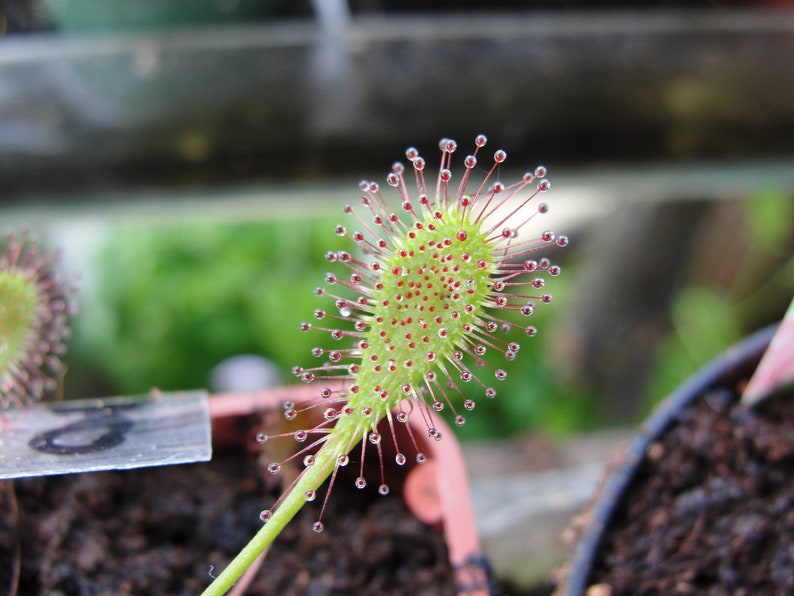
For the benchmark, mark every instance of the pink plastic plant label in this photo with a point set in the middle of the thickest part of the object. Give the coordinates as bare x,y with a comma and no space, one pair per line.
105,434
776,369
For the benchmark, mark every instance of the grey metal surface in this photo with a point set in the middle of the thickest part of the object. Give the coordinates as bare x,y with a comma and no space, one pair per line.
290,99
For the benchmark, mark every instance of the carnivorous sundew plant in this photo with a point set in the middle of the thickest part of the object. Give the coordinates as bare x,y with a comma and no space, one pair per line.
34,307
417,303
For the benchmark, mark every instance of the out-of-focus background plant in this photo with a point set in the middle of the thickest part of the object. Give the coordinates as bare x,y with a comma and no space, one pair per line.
169,303
172,302
175,301
742,273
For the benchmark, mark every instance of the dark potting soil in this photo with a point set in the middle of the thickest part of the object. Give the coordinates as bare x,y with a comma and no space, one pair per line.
711,509
163,531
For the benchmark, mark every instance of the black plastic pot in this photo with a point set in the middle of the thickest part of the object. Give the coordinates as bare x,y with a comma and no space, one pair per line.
737,362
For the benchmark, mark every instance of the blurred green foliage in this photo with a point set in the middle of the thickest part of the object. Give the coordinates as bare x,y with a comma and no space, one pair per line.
708,318
172,302
180,300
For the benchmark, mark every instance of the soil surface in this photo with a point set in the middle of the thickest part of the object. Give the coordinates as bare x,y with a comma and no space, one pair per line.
711,510
161,531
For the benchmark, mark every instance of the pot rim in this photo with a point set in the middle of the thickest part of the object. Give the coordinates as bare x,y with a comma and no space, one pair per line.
729,364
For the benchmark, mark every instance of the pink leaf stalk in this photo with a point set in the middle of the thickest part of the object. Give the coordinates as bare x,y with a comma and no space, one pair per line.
417,304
